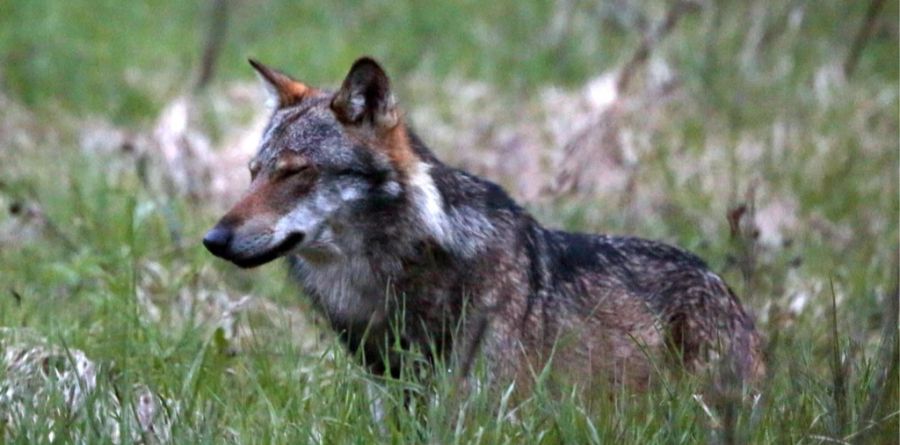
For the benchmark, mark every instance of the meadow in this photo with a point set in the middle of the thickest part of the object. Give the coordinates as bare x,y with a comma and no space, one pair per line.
761,135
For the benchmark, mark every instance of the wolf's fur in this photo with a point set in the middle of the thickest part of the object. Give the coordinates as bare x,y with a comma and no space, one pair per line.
375,227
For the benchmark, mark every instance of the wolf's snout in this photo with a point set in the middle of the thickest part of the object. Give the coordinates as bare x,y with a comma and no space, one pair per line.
217,240
248,248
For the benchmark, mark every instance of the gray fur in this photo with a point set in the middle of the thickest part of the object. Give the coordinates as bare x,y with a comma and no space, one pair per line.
389,231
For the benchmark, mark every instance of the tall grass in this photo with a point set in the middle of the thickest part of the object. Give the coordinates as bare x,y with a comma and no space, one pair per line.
93,258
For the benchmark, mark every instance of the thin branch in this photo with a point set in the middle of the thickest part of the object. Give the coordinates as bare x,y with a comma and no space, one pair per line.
862,37
602,131
838,371
651,40
215,37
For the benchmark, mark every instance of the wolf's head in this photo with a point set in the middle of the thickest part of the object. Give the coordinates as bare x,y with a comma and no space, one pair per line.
326,161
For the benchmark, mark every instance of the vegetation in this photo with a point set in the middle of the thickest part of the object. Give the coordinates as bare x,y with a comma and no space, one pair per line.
765,148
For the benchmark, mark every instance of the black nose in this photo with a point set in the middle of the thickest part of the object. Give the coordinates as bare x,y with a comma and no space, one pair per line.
217,240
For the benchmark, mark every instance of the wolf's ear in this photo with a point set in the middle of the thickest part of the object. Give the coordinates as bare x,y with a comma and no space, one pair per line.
365,97
283,90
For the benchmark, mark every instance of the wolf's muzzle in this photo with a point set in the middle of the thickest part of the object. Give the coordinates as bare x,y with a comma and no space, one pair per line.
217,240
222,242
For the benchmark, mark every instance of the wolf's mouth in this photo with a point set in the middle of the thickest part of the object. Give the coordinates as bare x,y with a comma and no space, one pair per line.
290,242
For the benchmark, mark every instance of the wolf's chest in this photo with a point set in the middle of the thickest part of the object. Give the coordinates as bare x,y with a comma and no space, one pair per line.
348,290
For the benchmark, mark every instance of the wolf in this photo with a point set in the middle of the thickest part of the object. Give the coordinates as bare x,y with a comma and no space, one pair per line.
377,230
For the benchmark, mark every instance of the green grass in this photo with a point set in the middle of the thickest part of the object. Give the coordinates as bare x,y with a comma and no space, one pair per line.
81,272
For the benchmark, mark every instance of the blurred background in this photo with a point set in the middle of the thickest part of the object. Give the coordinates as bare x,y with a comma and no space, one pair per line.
761,135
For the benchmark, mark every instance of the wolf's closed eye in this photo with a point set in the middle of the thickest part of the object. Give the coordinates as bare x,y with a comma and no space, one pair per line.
290,166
